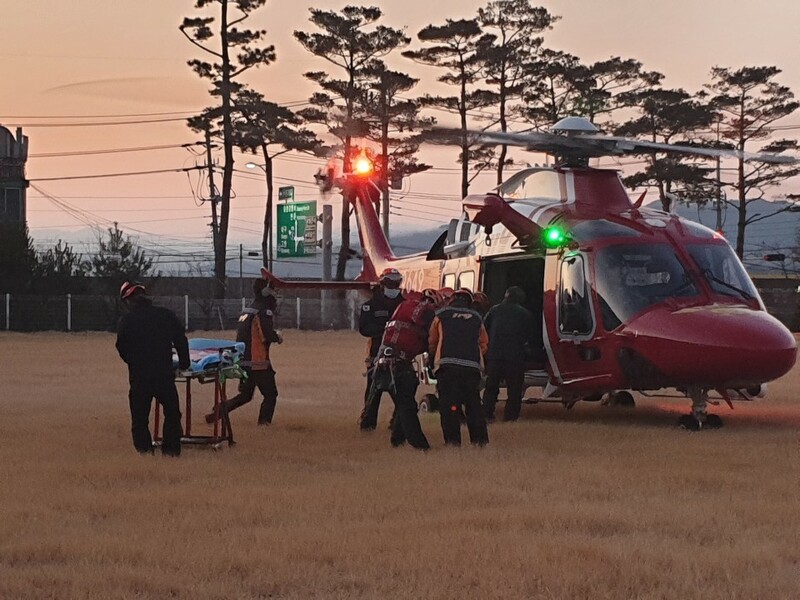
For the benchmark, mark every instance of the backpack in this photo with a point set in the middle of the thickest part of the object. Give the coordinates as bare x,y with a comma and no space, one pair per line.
407,332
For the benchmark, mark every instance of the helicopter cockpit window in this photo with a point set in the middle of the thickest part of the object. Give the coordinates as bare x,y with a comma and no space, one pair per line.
574,309
722,270
630,278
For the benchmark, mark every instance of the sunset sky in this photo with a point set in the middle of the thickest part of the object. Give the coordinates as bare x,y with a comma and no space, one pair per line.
75,62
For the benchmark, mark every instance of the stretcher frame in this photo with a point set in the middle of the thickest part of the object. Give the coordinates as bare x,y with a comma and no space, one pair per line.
222,431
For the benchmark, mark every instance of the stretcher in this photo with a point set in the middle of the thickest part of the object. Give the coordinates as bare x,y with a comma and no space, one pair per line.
212,362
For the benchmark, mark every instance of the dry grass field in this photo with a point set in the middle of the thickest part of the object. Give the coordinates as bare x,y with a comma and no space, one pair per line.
591,503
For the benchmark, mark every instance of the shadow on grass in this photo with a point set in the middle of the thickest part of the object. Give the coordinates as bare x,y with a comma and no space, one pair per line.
662,414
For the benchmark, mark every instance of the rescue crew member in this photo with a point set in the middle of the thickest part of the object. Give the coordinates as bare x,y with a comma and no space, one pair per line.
405,337
510,326
145,338
374,315
458,342
256,329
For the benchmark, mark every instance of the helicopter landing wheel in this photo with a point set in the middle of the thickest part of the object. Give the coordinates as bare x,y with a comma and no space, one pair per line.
625,399
622,398
690,423
428,403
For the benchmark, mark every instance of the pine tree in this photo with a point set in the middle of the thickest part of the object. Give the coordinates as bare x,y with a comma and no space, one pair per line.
119,259
392,119
670,116
235,54
60,270
516,26
750,101
459,47
350,40
263,126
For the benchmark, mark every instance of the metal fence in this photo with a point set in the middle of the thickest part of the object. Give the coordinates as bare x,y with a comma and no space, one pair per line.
331,310
325,310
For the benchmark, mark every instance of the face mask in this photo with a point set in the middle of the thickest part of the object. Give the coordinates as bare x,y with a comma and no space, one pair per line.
389,293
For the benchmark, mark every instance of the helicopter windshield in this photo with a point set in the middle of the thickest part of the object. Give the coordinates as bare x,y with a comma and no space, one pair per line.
722,270
629,278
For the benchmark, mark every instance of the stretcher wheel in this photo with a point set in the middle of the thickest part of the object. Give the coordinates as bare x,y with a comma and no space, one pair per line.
428,403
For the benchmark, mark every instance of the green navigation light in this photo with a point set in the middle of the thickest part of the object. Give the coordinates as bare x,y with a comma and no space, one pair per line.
554,237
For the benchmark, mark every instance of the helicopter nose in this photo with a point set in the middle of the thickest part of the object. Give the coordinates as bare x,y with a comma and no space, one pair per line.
716,346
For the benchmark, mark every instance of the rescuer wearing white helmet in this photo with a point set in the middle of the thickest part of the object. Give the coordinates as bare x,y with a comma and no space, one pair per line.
374,315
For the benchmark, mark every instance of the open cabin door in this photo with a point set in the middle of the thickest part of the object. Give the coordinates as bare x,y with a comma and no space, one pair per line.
526,272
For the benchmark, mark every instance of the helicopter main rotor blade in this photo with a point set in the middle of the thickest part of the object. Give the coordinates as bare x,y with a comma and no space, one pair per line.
628,146
591,145
534,141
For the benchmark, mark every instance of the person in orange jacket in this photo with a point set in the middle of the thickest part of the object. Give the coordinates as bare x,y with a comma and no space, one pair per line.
457,343
256,329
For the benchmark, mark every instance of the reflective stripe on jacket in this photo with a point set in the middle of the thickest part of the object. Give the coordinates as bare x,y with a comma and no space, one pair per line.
458,337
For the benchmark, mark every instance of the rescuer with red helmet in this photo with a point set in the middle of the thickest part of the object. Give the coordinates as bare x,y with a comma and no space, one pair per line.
457,342
481,303
256,329
405,337
145,338
374,315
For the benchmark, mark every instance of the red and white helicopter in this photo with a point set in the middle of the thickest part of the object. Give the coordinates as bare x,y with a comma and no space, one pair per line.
629,298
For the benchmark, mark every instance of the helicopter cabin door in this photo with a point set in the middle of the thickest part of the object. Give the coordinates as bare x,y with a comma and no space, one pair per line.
526,272
575,355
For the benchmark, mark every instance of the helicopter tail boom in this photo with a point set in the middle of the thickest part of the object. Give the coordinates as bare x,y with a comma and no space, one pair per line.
377,254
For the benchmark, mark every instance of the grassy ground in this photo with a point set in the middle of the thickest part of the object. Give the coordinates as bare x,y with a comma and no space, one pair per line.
591,503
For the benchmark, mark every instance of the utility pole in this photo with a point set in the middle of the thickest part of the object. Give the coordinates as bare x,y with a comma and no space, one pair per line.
327,241
327,246
212,190
241,283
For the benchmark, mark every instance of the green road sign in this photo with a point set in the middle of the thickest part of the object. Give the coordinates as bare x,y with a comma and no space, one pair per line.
297,229
286,192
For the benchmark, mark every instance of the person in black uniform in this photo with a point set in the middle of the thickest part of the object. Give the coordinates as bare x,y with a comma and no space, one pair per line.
394,370
375,313
457,342
145,338
510,326
256,329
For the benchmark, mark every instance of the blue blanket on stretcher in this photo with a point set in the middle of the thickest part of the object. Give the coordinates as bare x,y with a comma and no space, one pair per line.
205,354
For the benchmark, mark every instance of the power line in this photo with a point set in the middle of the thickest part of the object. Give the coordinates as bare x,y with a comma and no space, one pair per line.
96,124
130,173
111,150
116,116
